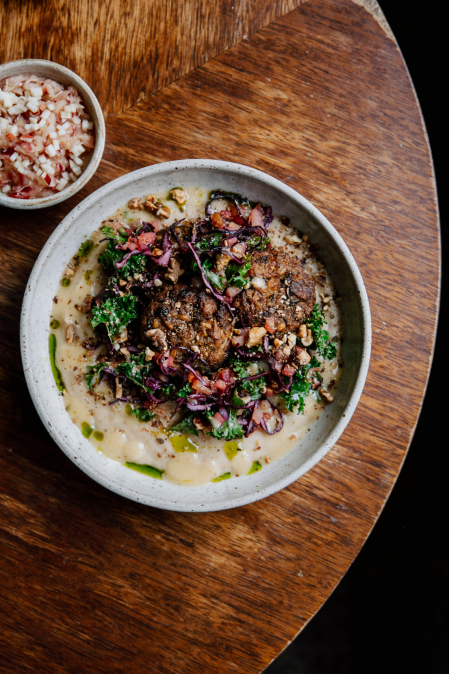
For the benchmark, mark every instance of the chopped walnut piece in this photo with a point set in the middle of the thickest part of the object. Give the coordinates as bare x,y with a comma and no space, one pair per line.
149,353
255,336
118,388
302,330
222,261
326,395
121,337
291,238
157,207
308,340
173,271
125,351
320,278
87,304
69,271
158,339
136,204
300,356
69,334
178,195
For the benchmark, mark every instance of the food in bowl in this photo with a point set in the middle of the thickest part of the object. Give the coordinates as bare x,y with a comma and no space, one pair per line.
188,336
46,136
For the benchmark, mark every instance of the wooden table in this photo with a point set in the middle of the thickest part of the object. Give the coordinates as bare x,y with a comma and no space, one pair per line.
316,94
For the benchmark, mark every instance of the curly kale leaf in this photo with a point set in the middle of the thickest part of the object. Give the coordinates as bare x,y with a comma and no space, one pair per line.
217,281
142,414
323,345
250,387
209,241
93,374
116,313
258,242
229,429
118,235
300,388
186,425
110,256
236,274
136,368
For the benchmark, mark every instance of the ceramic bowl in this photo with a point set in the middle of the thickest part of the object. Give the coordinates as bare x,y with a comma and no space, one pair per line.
43,286
66,77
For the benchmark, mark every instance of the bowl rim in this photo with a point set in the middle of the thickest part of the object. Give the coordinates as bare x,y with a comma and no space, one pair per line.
347,412
100,133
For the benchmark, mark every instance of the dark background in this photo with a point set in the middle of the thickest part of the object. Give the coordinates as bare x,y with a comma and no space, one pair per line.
390,612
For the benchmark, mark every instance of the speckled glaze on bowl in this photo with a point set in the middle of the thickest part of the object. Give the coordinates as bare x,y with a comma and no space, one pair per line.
66,77
43,286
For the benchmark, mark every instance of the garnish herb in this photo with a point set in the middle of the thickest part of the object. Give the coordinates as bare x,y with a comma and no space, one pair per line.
65,282
116,313
258,242
323,346
93,374
300,388
110,256
136,369
217,281
142,414
209,241
236,274
229,429
185,426
54,324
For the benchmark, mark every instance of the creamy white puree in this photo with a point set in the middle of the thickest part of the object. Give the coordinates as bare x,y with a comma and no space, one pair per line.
125,439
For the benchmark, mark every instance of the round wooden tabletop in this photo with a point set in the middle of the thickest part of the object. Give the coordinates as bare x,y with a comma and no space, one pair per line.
318,95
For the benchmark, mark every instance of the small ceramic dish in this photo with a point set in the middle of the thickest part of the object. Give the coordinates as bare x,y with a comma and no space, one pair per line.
66,77
78,226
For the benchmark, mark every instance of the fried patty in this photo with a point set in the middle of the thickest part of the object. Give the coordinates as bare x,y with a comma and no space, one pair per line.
188,317
286,292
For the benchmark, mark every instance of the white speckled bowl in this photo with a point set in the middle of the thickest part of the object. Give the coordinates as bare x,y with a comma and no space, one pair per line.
79,225
66,77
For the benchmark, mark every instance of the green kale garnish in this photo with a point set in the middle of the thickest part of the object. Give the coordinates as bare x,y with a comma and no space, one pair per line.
250,387
93,374
217,281
116,313
110,256
118,235
323,346
235,273
239,368
142,414
229,429
136,368
186,425
209,241
184,391
300,388
258,242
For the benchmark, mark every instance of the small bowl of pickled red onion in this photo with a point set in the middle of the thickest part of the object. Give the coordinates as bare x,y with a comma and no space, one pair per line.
52,134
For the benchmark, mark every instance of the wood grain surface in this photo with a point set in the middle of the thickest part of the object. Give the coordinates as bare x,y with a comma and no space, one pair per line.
90,582
127,50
